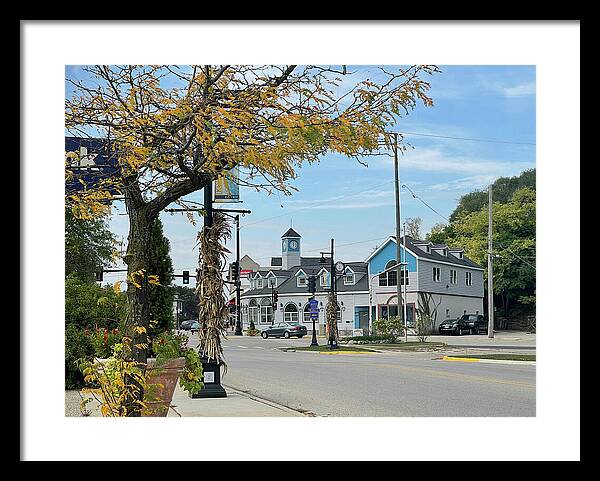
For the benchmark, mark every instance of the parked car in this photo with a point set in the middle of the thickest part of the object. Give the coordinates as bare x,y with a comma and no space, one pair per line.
185,325
194,327
476,322
454,326
284,329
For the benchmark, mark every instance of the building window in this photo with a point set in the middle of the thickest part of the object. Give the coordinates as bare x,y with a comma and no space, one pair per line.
452,276
306,314
272,281
253,311
301,280
436,274
349,278
259,283
404,277
324,279
389,278
266,311
447,313
290,313
468,279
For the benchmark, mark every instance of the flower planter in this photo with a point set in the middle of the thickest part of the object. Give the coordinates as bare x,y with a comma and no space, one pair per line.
162,380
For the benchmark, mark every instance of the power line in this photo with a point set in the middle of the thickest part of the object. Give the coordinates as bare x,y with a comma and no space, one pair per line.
494,141
417,197
315,204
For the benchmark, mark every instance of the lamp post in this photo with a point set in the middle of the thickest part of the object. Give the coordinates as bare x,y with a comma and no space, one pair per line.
332,341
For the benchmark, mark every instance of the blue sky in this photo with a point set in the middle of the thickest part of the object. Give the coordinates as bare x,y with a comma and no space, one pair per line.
342,199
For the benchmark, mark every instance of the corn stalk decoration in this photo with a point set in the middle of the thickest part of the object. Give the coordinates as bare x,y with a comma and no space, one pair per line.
331,315
426,313
213,310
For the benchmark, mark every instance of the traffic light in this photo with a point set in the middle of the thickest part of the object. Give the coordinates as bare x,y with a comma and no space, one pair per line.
275,297
312,284
234,271
99,275
186,277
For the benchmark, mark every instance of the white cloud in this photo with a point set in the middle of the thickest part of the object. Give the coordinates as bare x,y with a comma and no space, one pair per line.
519,90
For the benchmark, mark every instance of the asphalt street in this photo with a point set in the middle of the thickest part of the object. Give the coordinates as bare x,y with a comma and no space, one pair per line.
376,384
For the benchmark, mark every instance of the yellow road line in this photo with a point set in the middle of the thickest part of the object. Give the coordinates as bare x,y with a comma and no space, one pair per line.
462,359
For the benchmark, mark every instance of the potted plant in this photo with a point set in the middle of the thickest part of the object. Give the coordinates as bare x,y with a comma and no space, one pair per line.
116,380
174,361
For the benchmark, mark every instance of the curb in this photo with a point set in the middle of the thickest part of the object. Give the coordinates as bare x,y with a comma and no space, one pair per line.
488,361
275,405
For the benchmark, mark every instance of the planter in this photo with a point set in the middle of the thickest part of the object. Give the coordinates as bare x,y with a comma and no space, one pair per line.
162,380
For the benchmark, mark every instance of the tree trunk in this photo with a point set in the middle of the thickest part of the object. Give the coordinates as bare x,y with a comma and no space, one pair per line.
138,301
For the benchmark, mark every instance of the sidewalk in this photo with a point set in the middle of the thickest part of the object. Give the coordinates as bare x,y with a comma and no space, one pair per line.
236,404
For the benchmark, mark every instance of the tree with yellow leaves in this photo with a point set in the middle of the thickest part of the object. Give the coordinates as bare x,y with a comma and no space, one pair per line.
175,129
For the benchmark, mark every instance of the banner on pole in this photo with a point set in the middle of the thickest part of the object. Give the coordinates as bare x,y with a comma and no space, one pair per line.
227,188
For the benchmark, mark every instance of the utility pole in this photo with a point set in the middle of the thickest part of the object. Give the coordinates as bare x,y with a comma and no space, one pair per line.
333,327
404,279
490,268
398,265
238,307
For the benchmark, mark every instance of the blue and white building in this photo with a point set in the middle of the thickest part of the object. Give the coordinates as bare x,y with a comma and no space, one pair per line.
367,290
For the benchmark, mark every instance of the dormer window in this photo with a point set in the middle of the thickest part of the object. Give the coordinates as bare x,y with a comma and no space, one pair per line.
259,283
272,281
349,277
324,279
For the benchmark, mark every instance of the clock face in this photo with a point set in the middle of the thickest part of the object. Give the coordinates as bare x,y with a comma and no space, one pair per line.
293,245
339,266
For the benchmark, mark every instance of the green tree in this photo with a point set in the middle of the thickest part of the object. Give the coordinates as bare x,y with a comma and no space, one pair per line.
514,225
437,234
89,245
89,305
161,295
188,302
503,189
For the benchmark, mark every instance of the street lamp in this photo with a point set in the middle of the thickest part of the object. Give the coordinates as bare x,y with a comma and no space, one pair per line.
335,269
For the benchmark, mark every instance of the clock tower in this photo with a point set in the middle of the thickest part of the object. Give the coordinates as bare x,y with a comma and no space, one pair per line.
290,249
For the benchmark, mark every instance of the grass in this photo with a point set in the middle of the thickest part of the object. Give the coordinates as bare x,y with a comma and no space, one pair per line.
409,346
325,348
499,357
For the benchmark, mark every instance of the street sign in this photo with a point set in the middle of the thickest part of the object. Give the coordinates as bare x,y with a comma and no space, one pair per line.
314,308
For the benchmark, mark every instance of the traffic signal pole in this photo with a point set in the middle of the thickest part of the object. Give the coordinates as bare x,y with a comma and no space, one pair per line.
238,308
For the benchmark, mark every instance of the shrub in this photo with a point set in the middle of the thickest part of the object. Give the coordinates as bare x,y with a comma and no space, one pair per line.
252,332
77,346
392,327
103,339
375,339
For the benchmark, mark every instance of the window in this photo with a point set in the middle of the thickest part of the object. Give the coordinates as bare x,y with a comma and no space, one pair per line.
266,311
452,276
259,283
272,281
324,279
301,280
253,311
404,277
348,278
389,278
468,279
306,314
290,313
436,274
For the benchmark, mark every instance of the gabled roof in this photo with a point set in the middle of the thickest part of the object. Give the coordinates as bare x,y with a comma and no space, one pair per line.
291,233
411,246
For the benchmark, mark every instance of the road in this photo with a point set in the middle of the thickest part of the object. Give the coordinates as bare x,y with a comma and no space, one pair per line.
376,384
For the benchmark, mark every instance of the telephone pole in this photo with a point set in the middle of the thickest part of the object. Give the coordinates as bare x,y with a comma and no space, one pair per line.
398,264
238,308
490,268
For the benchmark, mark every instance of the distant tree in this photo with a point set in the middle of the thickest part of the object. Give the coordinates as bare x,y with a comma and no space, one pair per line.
188,302
437,234
503,189
413,227
514,240
161,295
89,246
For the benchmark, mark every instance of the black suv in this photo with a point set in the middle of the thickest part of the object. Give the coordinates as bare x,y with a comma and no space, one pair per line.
476,323
453,326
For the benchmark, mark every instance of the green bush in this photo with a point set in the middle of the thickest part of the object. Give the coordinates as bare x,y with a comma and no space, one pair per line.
77,346
375,339
392,326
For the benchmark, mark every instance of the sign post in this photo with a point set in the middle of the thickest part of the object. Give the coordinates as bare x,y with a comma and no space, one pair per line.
314,314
